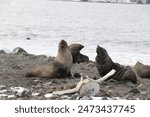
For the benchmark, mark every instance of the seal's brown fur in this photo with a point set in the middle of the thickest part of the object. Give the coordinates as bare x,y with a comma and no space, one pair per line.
104,64
60,68
143,71
77,56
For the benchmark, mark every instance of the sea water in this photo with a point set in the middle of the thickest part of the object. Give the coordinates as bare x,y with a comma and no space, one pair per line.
122,29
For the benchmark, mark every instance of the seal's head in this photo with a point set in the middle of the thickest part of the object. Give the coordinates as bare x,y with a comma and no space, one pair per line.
101,51
63,44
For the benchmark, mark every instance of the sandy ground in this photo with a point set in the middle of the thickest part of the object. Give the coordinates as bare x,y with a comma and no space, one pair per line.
14,84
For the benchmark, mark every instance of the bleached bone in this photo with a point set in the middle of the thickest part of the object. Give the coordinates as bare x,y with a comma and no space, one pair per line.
89,89
84,81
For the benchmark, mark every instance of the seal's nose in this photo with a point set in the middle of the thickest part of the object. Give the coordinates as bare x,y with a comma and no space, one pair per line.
63,43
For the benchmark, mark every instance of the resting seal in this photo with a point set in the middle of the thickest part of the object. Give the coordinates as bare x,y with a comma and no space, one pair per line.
104,64
143,71
60,68
77,56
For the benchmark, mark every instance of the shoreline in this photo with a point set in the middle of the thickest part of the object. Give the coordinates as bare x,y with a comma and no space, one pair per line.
12,81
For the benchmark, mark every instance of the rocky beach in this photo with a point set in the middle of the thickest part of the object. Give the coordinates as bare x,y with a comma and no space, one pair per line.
15,86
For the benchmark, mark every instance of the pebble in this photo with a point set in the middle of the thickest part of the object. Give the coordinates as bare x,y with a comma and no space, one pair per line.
3,91
143,92
35,94
2,87
134,90
10,97
55,97
64,97
21,92
86,98
47,84
104,98
36,81
3,96
28,38
48,95
77,75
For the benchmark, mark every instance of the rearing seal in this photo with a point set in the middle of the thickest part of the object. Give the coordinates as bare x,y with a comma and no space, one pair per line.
104,64
60,68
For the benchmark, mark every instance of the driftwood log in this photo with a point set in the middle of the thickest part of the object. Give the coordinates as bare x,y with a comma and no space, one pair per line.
84,81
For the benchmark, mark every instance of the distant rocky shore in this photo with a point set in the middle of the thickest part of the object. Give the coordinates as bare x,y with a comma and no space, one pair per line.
115,1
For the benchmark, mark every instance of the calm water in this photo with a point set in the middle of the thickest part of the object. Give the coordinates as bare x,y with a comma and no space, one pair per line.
123,29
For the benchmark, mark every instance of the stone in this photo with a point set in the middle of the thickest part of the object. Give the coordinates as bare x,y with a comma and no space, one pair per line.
21,92
104,98
47,84
77,75
48,95
54,97
36,81
11,97
86,98
19,50
134,90
2,52
2,87
28,38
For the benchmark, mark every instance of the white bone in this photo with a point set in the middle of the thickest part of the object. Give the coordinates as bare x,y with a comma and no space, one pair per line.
78,86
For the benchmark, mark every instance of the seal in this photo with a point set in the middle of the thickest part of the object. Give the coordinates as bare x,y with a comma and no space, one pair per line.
60,68
143,71
103,61
104,64
77,56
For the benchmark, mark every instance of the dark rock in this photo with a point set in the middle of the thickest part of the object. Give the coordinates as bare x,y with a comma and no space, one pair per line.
2,52
134,90
77,75
51,58
28,38
16,67
104,98
19,50
42,56
74,97
21,92
86,98
25,93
